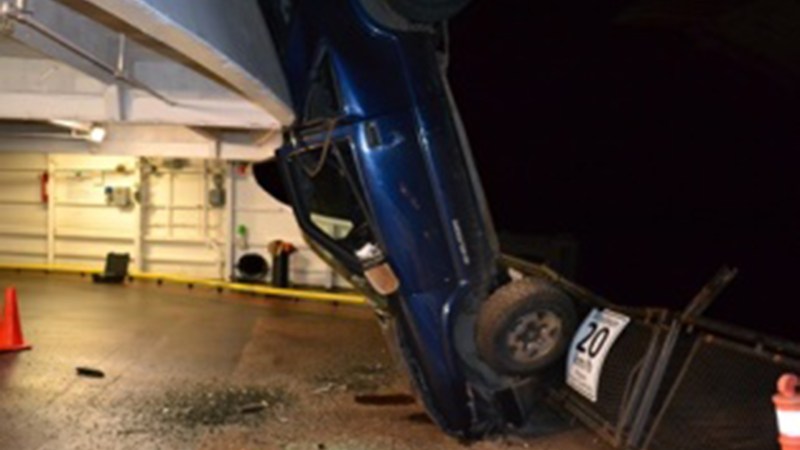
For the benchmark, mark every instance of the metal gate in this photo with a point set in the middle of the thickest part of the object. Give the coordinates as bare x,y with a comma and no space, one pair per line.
677,381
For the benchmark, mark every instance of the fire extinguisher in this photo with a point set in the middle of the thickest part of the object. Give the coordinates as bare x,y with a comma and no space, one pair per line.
44,180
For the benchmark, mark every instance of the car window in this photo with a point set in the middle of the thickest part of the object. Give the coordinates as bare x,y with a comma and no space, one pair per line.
323,94
332,199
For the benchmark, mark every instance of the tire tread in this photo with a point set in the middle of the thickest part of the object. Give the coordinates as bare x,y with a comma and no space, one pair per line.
508,301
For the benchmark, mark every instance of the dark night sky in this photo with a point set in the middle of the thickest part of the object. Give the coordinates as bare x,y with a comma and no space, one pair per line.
665,147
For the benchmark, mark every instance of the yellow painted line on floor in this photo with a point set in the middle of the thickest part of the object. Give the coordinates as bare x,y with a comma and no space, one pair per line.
299,293
57,268
305,294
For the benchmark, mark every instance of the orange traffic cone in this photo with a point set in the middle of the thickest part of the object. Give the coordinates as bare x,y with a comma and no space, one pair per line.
787,406
11,339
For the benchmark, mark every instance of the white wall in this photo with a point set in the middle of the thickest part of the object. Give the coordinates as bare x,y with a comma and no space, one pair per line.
83,228
182,233
172,229
23,215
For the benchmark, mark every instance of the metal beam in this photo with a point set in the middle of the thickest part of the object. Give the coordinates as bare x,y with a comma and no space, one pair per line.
229,39
145,140
24,34
73,38
127,80
44,89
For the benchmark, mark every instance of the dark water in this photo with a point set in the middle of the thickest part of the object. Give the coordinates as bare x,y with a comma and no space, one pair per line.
666,151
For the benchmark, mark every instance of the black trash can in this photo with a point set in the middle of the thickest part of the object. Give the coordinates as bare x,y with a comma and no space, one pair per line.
280,269
280,251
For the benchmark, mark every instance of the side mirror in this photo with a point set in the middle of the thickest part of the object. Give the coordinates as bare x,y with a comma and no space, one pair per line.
268,176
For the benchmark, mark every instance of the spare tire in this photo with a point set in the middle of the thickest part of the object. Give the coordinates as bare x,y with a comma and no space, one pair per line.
525,326
427,11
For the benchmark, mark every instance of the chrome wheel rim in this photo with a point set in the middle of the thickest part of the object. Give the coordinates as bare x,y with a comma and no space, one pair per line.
534,335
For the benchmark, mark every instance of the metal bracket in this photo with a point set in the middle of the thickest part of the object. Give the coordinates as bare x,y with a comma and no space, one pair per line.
703,300
6,24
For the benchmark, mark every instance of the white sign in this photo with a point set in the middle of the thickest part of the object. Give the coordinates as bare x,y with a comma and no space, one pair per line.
589,349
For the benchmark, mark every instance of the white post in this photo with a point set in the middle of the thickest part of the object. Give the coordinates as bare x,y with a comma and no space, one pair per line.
204,202
138,226
171,203
230,218
51,210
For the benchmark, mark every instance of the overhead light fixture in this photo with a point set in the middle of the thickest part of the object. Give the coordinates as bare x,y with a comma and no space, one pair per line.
97,134
83,130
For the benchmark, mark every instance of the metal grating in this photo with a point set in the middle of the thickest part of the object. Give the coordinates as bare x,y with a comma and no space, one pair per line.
625,364
680,389
618,368
721,400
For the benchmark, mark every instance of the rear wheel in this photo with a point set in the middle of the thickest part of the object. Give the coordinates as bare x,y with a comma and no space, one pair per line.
427,11
524,326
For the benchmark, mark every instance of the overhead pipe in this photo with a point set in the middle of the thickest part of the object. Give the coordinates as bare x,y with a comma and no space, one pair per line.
21,15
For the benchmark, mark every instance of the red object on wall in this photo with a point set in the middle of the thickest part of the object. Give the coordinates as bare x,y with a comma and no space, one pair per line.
45,180
278,247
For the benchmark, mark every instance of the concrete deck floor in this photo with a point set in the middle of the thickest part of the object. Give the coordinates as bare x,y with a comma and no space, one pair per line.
180,366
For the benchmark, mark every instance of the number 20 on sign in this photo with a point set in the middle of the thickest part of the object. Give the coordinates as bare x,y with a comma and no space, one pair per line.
589,350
